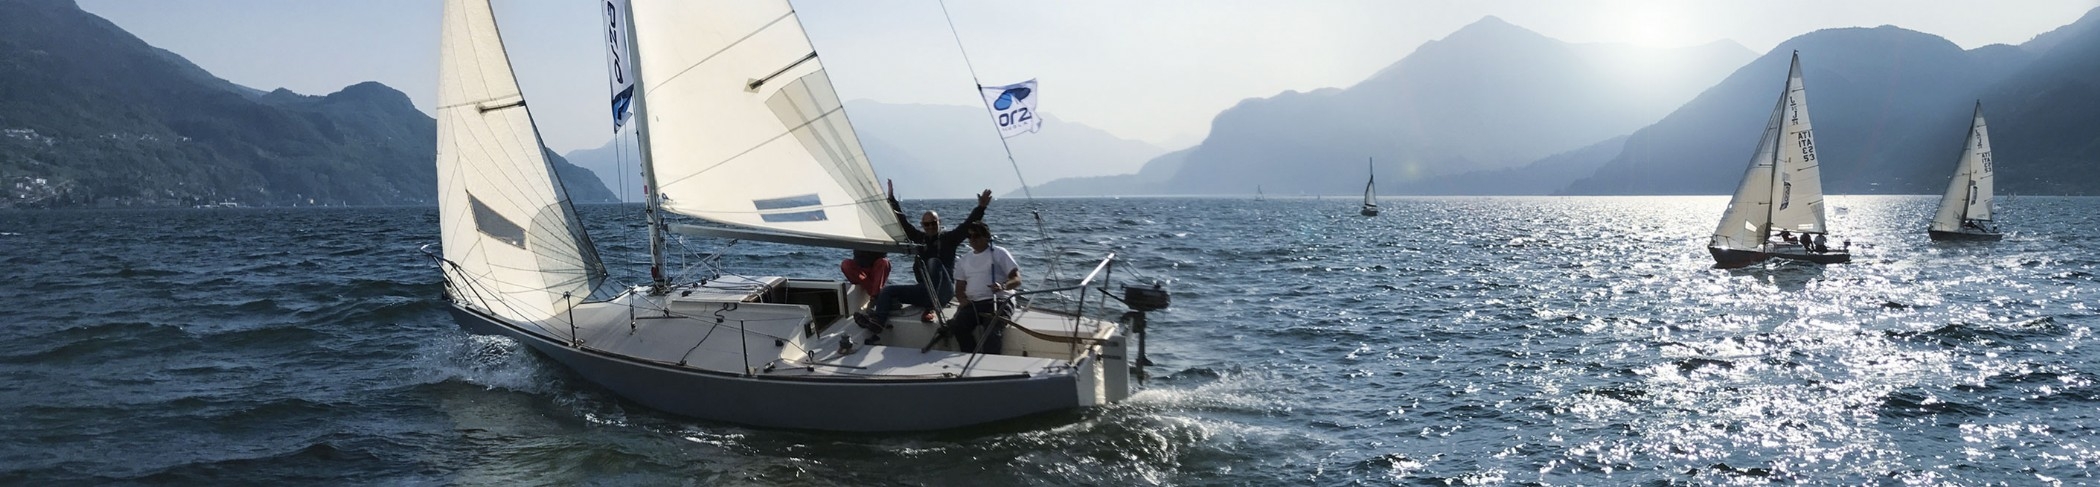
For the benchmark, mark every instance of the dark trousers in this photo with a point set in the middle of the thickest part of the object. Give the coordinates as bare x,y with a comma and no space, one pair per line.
969,316
893,297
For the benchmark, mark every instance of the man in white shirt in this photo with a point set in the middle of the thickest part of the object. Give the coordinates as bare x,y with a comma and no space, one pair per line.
984,279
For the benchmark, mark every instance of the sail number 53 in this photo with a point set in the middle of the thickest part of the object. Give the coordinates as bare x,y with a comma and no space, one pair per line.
1808,145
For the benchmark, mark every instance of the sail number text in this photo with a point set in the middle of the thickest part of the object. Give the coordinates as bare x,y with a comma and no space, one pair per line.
1808,145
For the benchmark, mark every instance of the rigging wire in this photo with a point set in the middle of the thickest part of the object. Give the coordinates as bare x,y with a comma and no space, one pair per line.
1035,210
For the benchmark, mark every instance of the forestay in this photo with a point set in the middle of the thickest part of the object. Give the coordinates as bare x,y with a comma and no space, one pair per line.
744,126
1968,196
507,223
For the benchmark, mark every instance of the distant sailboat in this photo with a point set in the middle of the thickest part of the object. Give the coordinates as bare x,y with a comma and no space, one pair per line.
1370,192
1965,210
1782,191
1258,195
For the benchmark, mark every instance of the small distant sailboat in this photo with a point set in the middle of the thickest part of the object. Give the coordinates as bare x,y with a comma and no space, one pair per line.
1258,195
1782,191
1965,210
1370,192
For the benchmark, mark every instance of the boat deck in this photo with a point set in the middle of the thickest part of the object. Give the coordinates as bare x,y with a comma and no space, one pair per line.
721,329
1798,252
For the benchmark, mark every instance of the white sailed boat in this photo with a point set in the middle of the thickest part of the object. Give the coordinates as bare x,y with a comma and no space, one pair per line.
1778,210
1370,192
1965,210
756,144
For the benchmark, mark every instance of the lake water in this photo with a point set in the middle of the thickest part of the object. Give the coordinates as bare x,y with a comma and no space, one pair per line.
1450,341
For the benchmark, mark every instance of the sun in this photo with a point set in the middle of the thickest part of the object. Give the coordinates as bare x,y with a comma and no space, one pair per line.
1648,25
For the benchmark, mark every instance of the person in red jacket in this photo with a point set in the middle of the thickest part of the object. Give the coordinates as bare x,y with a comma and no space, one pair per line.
870,270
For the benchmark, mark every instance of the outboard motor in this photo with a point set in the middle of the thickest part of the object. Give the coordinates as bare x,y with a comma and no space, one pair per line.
1142,300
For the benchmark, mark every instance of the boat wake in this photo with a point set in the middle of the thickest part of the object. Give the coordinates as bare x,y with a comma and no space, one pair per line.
491,362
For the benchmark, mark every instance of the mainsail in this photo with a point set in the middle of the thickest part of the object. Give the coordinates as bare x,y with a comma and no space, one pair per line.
1370,190
1797,193
1371,187
1783,188
744,127
1968,196
507,225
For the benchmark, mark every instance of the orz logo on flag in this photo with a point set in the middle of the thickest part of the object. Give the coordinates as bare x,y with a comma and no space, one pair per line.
1013,108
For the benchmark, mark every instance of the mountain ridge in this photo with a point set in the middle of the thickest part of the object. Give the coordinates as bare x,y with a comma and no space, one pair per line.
1468,102
92,116
1890,107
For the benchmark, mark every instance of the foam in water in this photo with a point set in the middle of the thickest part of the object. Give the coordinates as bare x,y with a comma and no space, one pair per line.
488,361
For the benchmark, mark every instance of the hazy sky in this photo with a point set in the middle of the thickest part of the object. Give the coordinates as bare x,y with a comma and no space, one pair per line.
1152,70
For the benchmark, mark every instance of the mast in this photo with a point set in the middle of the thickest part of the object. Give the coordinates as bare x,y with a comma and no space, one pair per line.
1056,274
1778,136
1771,204
651,194
1971,168
1971,198
1968,191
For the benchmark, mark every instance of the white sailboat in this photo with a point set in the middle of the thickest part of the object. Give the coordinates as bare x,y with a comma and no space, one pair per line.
1782,192
1965,210
762,150
1370,191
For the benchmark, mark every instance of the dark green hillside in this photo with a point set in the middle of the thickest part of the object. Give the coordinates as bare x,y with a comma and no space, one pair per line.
2045,120
92,116
1889,107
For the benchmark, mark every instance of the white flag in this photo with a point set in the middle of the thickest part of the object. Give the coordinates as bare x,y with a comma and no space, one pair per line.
622,68
1013,108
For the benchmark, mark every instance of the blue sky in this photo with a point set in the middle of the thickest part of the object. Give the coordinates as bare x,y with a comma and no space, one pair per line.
1152,70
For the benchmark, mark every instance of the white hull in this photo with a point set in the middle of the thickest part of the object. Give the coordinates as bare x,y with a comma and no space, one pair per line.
804,383
764,351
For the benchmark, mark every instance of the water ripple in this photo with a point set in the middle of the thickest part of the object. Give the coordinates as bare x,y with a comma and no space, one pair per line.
1451,340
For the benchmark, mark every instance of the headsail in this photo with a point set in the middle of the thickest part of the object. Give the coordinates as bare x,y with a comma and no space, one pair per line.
745,127
1968,196
506,222
1797,192
1748,219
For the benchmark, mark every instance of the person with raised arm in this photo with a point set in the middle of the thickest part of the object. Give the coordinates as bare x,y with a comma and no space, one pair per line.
933,262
